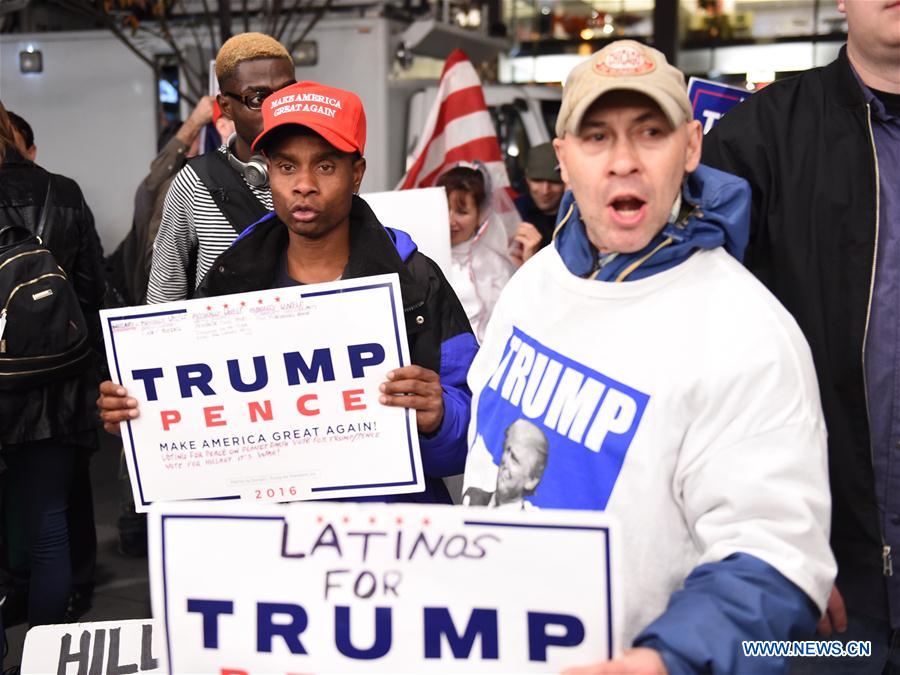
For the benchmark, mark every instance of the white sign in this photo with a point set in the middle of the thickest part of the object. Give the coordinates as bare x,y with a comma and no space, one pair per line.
267,396
102,648
423,214
377,588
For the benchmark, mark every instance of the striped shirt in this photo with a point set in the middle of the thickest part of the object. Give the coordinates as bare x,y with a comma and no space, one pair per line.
191,221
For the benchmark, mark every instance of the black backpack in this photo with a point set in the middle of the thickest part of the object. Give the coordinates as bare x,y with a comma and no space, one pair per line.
231,194
43,333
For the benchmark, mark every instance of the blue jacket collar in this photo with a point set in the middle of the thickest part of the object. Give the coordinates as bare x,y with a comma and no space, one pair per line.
715,212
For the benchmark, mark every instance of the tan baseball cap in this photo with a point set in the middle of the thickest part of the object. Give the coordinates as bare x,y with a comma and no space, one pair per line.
628,65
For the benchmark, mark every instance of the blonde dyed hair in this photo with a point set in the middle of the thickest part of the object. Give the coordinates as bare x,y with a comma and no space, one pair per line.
247,47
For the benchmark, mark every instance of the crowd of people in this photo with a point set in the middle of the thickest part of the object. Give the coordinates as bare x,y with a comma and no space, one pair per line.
693,334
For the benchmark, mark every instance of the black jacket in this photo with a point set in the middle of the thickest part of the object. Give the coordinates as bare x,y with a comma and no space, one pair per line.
438,331
805,146
544,223
65,407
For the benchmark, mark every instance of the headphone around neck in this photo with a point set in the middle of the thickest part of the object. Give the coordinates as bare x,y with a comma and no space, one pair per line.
255,170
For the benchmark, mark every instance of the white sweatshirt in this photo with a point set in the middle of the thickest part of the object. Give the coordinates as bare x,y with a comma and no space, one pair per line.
685,404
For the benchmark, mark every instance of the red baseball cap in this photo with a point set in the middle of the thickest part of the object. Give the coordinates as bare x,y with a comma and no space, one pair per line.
335,114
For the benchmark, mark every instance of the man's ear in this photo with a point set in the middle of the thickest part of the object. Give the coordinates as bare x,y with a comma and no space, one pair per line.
359,168
559,147
225,105
694,132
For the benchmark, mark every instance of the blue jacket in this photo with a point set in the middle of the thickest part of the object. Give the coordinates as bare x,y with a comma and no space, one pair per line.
741,598
438,331
715,211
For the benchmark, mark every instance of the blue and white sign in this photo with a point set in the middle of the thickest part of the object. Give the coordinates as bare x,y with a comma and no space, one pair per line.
711,100
376,588
267,396
553,431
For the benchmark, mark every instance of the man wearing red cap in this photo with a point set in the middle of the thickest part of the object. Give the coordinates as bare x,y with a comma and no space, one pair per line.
314,139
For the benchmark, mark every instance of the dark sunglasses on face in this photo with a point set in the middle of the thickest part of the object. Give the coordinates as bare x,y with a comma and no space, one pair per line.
254,99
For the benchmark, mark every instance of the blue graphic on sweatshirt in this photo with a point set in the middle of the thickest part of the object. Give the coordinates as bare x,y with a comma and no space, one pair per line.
557,430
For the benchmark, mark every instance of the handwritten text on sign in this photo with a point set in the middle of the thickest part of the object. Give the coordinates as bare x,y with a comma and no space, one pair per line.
271,395
381,588
100,648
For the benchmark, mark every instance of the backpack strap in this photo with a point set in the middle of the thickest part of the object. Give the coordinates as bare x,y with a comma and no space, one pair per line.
229,190
43,221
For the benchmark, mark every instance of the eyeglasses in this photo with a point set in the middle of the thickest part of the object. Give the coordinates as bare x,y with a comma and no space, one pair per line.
254,100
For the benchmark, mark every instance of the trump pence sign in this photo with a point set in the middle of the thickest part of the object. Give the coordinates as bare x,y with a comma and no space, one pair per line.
267,396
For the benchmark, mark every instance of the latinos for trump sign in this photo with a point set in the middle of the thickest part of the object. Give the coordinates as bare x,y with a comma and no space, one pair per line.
711,100
268,396
376,588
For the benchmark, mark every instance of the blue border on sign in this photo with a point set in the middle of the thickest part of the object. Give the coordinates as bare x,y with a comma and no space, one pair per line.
112,341
407,411
285,554
312,294
582,528
165,575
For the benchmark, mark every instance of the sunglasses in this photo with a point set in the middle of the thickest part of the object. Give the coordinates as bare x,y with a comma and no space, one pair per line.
254,100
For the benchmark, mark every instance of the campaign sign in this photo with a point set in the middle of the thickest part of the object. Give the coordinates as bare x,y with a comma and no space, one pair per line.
267,396
101,648
711,100
423,214
381,588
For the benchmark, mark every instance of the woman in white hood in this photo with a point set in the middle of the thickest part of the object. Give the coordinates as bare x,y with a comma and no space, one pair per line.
480,266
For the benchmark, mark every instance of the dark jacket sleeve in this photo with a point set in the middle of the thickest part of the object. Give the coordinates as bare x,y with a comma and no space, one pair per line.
165,165
741,145
87,272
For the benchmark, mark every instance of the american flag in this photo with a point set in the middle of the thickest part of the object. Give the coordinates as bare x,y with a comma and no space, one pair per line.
458,129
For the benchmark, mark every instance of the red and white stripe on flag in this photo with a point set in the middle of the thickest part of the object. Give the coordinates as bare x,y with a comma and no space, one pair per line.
458,129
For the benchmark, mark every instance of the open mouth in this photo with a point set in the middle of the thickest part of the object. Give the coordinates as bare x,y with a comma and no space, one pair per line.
627,209
304,214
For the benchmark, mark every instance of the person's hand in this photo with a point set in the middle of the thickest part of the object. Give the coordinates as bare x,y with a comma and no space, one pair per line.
203,113
530,239
419,389
835,616
515,253
200,116
637,661
115,406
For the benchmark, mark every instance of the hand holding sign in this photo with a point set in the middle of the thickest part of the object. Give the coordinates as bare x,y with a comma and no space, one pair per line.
419,389
411,387
296,417
115,406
